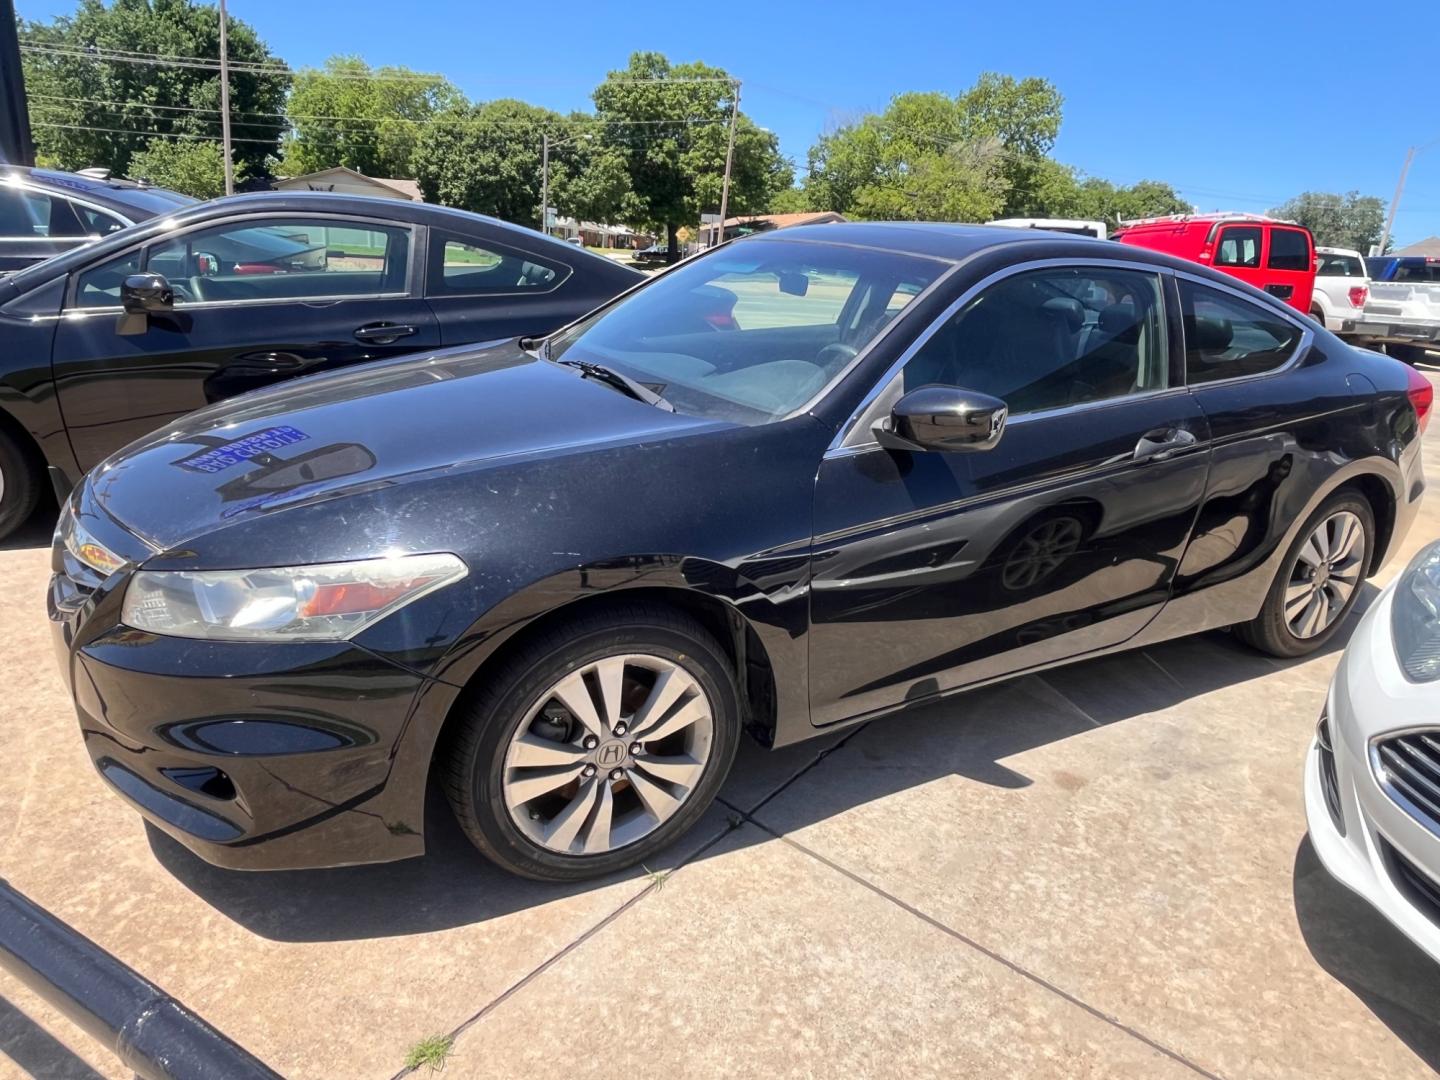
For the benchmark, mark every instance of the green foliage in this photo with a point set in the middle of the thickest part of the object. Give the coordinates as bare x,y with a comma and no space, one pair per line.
431,1052
486,158
1350,220
143,100
367,119
670,133
1060,191
790,200
971,157
192,166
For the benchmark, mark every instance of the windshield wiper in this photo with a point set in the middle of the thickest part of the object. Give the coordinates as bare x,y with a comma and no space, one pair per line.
623,383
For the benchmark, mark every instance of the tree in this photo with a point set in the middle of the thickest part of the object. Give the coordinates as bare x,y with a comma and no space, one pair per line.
990,140
193,166
1062,192
1350,220
486,158
366,119
790,200
77,86
668,123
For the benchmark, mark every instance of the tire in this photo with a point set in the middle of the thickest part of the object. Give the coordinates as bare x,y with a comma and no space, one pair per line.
1275,630
1409,354
482,755
1318,314
19,484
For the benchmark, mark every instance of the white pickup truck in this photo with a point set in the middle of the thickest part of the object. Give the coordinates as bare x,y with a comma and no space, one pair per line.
1403,312
1342,286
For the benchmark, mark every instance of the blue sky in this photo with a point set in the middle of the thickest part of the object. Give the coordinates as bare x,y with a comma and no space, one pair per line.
1239,105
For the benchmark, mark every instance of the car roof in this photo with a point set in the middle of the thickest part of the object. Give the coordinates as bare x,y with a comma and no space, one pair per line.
936,239
136,201
1337,251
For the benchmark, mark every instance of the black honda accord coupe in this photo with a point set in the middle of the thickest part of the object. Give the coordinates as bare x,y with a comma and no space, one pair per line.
804,480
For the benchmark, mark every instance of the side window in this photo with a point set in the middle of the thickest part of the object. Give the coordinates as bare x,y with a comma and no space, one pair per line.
1289,250
24,215
1226,337
99,286
98,222
283,259
460,266
1239,246
1052,338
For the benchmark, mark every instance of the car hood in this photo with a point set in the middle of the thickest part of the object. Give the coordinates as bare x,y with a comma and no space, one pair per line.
367,428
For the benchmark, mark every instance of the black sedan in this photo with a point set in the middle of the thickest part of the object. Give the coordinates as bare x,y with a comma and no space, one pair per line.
101,346
802,481
44,212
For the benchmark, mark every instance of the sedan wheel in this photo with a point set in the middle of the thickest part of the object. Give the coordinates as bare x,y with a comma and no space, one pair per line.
594,746
20,474
1319,580
1326,573
608,754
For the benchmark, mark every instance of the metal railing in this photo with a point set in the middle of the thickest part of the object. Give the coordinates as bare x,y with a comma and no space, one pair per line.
149,1031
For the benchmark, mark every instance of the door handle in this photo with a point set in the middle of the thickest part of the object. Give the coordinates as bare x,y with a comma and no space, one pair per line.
383,333
1162,443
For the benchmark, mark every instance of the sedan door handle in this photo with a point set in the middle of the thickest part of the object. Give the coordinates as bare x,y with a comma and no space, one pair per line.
1162,443
383,333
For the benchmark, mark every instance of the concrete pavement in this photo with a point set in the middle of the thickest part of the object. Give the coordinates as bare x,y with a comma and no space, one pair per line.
1098,871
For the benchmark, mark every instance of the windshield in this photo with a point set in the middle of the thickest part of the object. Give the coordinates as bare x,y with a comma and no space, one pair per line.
752,332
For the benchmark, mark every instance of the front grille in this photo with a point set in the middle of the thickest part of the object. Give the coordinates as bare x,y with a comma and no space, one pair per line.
1329,782
1418,887
1408,768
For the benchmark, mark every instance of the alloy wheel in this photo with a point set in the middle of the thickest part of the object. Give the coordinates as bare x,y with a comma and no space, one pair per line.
1325,575
608,754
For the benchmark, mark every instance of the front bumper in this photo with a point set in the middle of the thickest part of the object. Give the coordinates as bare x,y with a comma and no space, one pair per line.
1374,837
253,756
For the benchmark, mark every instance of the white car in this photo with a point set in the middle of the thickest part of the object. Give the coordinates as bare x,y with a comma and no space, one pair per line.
1372,778
1342,285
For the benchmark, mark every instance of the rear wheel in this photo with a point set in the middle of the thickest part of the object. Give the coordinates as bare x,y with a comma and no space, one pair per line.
1319,581
595,747
19,484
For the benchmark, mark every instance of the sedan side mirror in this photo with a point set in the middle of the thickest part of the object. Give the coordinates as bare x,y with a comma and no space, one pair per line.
143,295
943,418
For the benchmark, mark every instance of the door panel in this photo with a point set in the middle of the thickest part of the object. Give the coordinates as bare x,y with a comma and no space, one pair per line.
933,571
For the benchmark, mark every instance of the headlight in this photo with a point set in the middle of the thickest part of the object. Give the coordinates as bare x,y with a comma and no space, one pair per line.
76,539
1415,616
326,602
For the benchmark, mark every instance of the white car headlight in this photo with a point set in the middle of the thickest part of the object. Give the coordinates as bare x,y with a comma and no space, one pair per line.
325,602
1415,616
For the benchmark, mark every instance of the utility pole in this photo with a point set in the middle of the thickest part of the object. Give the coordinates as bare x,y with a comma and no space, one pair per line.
729,160
225,101
545,183
1395,202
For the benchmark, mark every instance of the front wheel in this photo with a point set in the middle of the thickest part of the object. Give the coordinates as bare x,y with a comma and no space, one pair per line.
1319,581
596,746
19,484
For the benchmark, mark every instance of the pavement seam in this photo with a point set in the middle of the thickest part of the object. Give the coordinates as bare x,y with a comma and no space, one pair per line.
1068,700
551,961
816,760
1018,969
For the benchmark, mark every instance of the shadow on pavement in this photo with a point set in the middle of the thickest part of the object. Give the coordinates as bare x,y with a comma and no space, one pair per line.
1356,944
968,735
35,1051
36,532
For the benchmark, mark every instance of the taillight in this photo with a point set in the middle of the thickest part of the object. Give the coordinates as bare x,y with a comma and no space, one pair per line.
1421,394
1358,295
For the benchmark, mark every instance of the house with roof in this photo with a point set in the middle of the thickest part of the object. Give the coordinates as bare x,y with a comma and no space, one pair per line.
349,182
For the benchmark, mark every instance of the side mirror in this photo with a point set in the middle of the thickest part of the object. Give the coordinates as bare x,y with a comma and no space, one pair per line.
943,418
143,295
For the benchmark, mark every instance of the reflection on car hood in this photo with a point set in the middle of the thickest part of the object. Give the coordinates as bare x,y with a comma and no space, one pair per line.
381,424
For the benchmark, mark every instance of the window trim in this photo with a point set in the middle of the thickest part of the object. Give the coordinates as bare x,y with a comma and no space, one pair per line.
1302,347
438,238
845,442
69,309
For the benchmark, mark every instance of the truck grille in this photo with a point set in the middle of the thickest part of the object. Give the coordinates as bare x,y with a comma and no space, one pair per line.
1408,768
